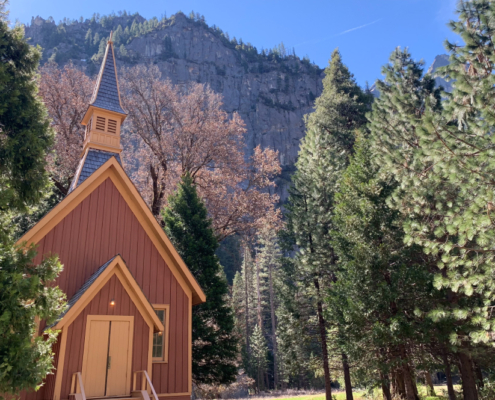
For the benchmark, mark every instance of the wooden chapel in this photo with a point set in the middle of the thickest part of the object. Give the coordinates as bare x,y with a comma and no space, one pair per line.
126,333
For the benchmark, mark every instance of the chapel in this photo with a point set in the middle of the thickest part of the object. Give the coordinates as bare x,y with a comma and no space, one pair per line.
127,330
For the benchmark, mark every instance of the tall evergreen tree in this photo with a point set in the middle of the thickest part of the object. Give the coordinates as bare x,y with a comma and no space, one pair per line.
245,302
323,155
214,345
117,36
259,352
25,293
380,283
24,124
268,259
88,39
442,158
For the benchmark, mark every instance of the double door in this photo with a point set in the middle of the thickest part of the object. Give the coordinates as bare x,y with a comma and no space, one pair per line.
107,356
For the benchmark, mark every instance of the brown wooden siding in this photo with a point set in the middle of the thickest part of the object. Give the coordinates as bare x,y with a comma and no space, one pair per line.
100,305
100,227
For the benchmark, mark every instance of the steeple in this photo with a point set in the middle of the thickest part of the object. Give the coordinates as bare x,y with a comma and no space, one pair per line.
103,120
105,114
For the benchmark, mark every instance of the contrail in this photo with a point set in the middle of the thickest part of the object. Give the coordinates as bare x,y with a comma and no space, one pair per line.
338,34
357,27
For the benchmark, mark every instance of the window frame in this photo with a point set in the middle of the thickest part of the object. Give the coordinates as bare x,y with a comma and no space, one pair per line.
164,357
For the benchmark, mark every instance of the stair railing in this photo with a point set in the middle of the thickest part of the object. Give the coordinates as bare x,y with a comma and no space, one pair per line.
81,395
144,379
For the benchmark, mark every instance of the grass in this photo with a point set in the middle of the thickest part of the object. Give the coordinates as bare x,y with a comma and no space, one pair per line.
440,390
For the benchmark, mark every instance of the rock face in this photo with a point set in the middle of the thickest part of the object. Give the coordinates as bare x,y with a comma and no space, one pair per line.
272,92
441,61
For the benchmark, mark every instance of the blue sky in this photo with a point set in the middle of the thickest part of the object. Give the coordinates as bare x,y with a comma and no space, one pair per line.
366,31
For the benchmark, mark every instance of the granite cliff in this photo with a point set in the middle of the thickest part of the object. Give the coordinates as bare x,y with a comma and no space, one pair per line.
272,90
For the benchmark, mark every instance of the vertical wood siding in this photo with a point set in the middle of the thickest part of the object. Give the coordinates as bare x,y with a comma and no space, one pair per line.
100,227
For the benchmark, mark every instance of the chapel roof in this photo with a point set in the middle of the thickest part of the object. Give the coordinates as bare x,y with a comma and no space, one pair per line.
89,289
90,162
82,290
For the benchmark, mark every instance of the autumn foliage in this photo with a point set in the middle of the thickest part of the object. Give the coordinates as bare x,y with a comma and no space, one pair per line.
171,130
183,129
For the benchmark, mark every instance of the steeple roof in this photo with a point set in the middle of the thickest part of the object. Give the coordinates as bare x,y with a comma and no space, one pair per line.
106,93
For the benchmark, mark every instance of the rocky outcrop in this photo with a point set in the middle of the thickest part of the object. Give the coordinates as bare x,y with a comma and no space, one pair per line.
440,61
272,93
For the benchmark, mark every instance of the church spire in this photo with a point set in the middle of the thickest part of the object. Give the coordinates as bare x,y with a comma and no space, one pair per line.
106,93
105,114
103,120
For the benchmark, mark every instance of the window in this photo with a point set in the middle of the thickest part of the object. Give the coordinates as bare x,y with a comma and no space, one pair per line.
160,339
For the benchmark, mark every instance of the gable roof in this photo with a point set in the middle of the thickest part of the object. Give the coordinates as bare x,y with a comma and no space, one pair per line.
115,266
90,162
112,170
106,93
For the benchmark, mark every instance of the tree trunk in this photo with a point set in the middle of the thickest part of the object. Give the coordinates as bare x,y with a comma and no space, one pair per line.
347,377
429,384
409,381
399,389
448,375
385,387
158,193
479,376
258,296
246,305
324,348
274,328
410,385
468,377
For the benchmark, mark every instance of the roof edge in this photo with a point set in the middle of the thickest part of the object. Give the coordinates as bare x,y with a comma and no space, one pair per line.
115,266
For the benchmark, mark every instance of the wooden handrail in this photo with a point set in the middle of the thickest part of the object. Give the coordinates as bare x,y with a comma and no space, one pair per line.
145,378
73,385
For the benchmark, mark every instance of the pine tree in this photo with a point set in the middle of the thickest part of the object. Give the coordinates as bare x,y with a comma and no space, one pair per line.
126,35
88,39
322,157
117,35
269,259
122,50
26,292
441,155
214,345
258,355
96,39
134,29
26,135
244,302
380,283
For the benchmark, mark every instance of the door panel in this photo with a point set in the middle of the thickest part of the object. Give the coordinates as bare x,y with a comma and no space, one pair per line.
117,379
95,368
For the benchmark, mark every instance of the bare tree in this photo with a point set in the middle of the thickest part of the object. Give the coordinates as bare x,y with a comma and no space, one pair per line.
66,93
182,129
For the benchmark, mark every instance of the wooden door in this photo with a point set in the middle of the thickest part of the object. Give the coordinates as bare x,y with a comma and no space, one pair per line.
107,356
117,379
95,365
